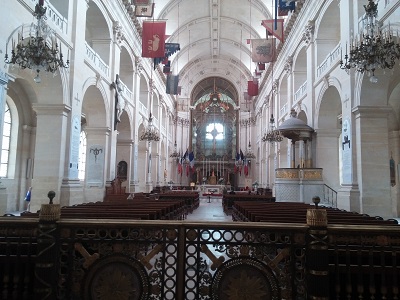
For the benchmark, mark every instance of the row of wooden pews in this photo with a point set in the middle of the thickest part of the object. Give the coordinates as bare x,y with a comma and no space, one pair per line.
191,198
228,200
295,212
140,207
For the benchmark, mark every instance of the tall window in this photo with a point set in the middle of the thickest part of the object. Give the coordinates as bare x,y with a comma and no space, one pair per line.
82,156
215,131
5,151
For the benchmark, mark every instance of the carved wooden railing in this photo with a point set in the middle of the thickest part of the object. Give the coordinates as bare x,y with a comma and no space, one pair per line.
87,259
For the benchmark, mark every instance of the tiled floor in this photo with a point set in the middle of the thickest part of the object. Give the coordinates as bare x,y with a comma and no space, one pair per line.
209,210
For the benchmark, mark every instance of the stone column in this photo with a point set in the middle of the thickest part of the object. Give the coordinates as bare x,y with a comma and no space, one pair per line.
149,182
134,173
371,125
97,158
3,86
71,187
394,142
293,155
50,151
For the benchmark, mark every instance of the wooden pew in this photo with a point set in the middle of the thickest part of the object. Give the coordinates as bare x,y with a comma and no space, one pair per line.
228,200
138,208
191,198
289,212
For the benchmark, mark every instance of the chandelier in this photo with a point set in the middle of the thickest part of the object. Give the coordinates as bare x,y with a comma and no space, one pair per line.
249,153
273,135
150,133
34,52
175,154
372,48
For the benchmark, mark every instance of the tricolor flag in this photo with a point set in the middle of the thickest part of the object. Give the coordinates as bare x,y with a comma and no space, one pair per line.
263,50
144,10
191,159
153,39
272,30
246,167
172,84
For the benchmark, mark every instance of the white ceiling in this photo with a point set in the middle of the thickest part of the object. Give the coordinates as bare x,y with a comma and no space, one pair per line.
213,38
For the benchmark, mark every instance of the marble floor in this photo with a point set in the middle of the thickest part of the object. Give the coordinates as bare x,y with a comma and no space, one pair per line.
210,209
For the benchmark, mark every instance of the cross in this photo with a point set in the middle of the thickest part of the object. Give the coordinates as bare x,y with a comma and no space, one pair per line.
77,99
346,100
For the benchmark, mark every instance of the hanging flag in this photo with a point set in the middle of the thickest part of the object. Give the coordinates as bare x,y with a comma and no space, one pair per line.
246,96
252,88
261,67
180,165
285,6
185,155
272,30
191,159
144,10
263,50
172,84
28,195
241,155
246,167
153,39
167,68
140,2
170,49
257,74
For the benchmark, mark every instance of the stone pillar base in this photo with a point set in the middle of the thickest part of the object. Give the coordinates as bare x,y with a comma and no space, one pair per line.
71,192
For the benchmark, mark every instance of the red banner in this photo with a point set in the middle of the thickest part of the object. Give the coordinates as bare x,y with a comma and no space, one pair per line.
153,39
270,26
252,88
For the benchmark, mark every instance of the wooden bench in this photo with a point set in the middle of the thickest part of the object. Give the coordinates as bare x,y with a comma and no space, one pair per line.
293,212
228,200
138,208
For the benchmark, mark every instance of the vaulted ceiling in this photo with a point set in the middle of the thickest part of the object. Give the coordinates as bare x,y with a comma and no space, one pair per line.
213,38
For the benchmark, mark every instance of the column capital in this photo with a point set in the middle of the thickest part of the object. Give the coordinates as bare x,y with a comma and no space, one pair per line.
51,109
98,130
118,33
309,32
371,111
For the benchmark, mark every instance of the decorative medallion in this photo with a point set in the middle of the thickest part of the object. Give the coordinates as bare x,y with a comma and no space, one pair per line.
116,277
244,279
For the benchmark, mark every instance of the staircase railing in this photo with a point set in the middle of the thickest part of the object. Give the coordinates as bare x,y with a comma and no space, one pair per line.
330,196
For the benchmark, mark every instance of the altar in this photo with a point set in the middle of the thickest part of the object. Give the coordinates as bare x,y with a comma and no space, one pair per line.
212,189
212,180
